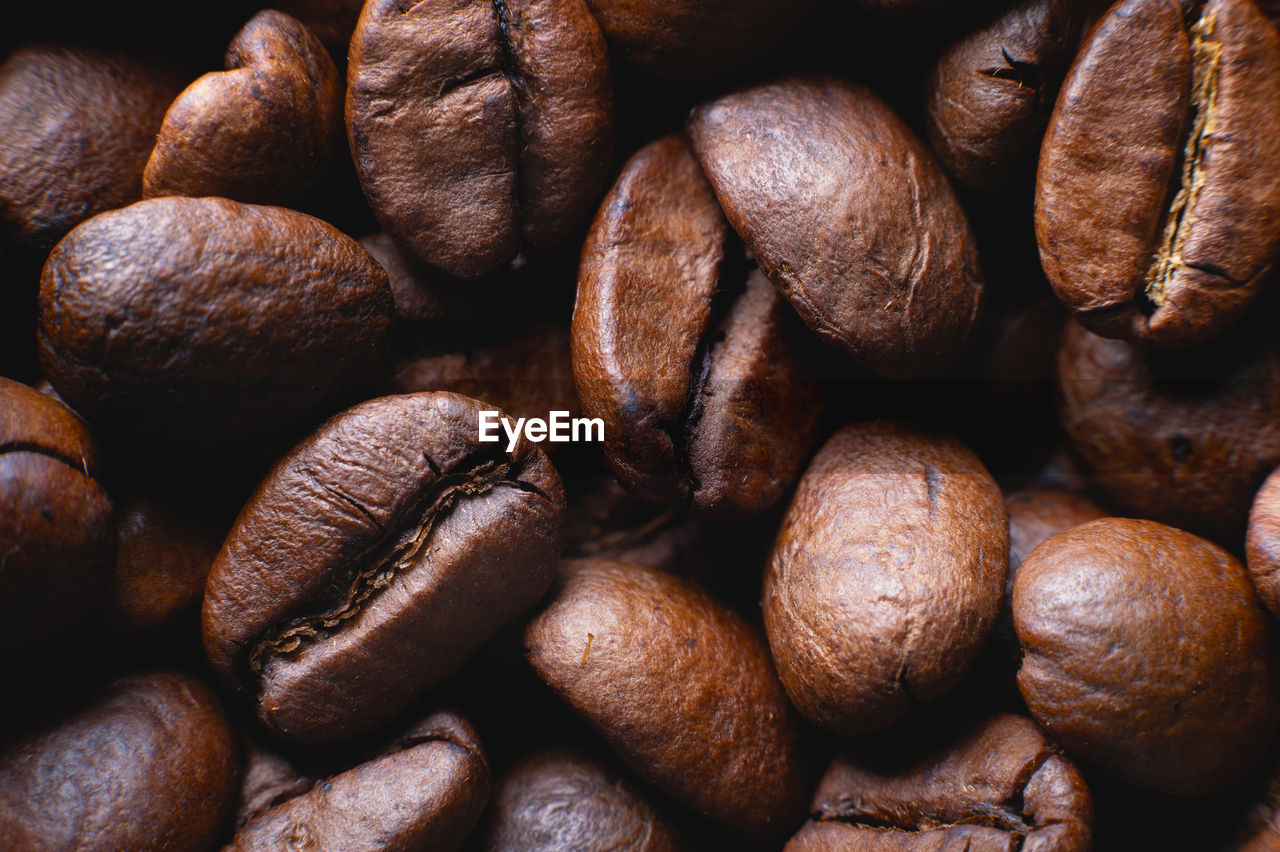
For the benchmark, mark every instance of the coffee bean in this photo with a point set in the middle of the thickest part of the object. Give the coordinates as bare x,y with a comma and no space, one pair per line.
1262,542
685,39
1147,652
1184,438
426,792
679,346
56,535
148,764
76,127
1037,514
480,130
203,321
556,799
263,131
680,687
995,784
163,554
1161,228
847,212
990,93
374,559
886,576
528,375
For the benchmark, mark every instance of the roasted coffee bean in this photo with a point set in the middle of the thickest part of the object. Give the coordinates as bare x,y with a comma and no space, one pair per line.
374,559
527,375
886,576
1147,652
1262,542
557,800
205,321
695,38
680,687
163,555
998,784
848,213
1158,196
332,20
149,764
680,348
56,535
263,131
1184,438
419,296
1037,514
481,130
990,94
606,522
426,792
76,127
267,779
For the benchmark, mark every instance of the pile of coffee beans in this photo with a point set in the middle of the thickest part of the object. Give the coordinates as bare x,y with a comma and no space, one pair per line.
658,425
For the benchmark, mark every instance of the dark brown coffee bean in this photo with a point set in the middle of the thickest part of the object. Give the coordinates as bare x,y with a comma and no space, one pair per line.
1037,514
1147,652
204,321
989,95
680,687
849,215
886,576
267,779
1184,438
557,800
264,130
679,347
998,784
480,130
607,522
1262,542
419,296
527,375
56,536
426,792
1158,197
163,555
76,128
149,764
332,20
683,39
374,559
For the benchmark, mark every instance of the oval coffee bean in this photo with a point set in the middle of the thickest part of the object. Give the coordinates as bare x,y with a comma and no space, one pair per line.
149,764
480,130
267,779
989,95
1262,542
76,127
998,784
164,549
683,39
262,131
555,799
1183,437
680,687
204,321
847,212
525,375
426,792
679,347
1146,651
1161,228
56,533
1037,514
886,576
374,559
